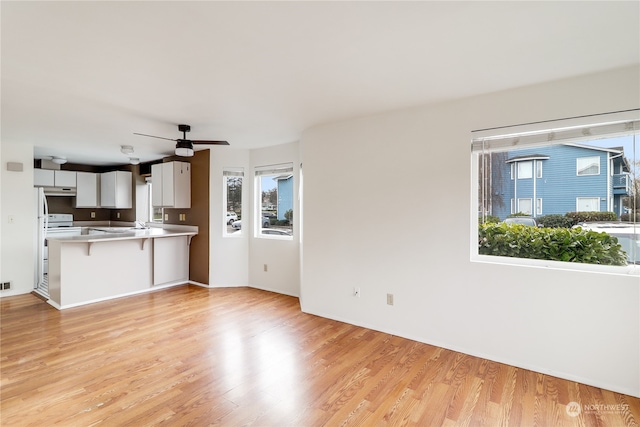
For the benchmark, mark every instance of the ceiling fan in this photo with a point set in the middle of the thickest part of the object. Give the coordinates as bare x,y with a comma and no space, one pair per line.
184,146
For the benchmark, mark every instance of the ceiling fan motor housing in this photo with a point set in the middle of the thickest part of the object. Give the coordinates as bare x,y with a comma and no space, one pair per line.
184,128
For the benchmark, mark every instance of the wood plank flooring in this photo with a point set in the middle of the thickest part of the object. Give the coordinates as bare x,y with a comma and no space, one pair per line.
190,356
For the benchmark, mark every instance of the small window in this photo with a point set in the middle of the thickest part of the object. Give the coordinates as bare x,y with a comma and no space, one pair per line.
588,204
588,165
525,170
274,189
232,215
538,169
538,206
524,206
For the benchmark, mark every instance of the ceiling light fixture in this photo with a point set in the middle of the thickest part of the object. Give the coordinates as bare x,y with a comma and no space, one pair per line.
59,160
184,148
134,160
126,149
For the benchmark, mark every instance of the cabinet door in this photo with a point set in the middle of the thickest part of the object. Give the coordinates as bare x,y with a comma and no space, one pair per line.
108,190
167,185
115,190
123,189
182,185
156,185
43,178
87,190
65,179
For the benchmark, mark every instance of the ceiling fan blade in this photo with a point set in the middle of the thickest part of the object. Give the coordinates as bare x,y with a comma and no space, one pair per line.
210,142
153,136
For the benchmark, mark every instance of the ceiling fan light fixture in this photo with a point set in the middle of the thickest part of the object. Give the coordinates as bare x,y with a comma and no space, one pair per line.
126,149
184,148
58,160
134,160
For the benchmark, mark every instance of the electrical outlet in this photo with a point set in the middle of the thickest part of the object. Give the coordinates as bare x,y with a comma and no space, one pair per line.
389,299
356,292
118,215
183,217
264,267
166,217
93,214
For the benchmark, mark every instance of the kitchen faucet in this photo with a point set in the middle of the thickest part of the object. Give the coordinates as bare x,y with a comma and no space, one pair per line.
140,224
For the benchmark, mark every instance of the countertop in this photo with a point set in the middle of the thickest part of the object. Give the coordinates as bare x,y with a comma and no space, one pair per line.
130,234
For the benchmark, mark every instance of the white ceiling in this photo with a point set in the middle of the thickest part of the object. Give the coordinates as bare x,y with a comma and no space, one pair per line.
79,78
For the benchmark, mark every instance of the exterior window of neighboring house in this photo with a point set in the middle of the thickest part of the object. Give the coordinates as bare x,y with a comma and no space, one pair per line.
274,193
587,204
590,163
232,201
525,170
524,206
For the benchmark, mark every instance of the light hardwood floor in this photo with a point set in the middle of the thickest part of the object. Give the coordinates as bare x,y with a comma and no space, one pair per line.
236,357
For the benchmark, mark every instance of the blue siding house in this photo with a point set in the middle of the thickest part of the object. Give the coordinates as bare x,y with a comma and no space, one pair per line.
558,179
285,194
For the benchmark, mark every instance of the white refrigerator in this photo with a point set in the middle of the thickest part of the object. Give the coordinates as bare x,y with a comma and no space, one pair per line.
42,218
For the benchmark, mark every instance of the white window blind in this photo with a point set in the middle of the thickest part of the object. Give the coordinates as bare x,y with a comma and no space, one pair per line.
274,169
574,130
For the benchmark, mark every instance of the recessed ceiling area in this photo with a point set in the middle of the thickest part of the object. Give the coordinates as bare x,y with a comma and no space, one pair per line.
80,78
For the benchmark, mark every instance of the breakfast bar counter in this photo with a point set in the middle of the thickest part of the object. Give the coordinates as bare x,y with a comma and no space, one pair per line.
112,262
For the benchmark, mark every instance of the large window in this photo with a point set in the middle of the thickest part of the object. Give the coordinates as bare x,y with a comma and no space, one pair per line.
232,215
591,183
588,165
274,192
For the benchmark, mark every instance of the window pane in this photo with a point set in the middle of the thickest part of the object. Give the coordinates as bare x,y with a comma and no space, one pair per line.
276,203
524,170
588,166
233,201
587,185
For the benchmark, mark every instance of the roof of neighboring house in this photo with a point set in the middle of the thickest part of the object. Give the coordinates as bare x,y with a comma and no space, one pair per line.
528,157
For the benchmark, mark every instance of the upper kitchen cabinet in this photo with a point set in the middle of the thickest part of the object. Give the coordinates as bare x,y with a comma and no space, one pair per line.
64,178
43,178
54,178
171,185
88,190
115,189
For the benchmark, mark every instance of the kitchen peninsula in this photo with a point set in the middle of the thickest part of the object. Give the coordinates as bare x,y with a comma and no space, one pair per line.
112,262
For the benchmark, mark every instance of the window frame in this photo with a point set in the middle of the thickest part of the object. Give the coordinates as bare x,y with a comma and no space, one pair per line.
272,171
228,172
587,174
533,135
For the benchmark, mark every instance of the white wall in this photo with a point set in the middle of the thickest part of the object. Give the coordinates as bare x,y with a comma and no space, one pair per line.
281,256
398,186
18,238
229,256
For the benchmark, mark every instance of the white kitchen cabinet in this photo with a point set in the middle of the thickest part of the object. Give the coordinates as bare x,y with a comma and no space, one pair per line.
54,178
43,178
171,185
88,190
115,190
65,179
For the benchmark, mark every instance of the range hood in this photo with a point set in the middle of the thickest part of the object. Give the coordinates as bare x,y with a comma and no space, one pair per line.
59,191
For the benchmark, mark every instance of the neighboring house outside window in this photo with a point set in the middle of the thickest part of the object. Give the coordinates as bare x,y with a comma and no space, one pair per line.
563,188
